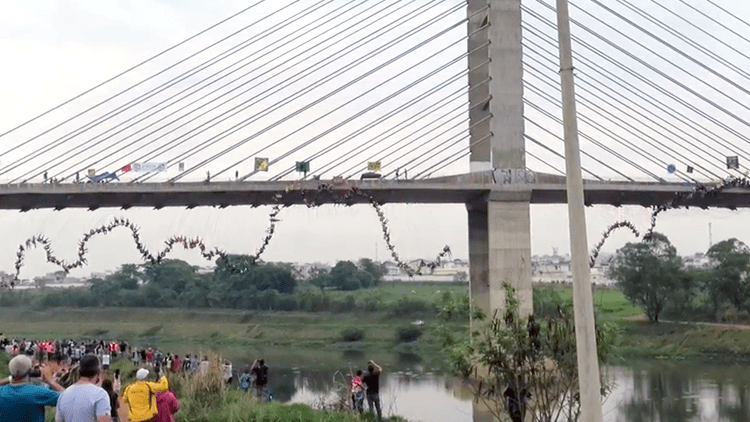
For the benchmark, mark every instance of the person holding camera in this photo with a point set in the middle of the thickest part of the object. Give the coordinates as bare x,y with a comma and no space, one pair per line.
85,401
21,401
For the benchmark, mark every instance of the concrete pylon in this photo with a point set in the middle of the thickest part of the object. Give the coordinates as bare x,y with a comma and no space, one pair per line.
499,231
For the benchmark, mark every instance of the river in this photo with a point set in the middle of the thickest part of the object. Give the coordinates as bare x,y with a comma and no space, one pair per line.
419,390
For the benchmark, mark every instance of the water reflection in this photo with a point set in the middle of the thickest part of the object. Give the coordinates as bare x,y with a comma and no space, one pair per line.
679,392
417,389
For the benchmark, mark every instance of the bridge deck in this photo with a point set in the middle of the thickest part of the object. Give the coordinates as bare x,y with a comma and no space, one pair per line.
546,189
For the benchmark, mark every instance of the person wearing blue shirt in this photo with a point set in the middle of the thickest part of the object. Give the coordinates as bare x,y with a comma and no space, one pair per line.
24,402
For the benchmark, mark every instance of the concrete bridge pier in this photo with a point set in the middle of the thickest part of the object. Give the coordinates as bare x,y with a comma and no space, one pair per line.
500,251
499,230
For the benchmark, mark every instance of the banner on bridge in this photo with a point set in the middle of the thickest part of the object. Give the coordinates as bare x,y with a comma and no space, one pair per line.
144,167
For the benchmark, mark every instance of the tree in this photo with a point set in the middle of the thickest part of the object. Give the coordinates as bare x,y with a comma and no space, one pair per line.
377,271
519,367
170,274
648,272
728,278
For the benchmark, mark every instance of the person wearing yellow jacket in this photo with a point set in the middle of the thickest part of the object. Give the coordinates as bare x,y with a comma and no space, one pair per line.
140,396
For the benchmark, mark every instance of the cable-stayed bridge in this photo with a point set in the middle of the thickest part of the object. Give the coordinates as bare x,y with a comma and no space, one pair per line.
414,88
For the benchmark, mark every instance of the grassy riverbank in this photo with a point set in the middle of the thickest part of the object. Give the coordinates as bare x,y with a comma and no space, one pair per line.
322,332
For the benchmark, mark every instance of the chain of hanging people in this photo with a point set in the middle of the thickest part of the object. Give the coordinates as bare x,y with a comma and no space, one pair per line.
700,191
210,254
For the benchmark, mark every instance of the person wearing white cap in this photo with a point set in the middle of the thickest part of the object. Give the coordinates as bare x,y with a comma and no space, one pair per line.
140,396
24,402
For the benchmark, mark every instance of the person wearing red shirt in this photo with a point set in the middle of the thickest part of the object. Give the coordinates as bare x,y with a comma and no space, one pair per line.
167,405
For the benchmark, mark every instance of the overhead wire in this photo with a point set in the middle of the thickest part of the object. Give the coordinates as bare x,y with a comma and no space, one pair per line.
122,74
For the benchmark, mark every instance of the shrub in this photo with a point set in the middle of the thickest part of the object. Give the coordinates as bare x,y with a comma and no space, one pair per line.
287,303
352,334
413,307
408,334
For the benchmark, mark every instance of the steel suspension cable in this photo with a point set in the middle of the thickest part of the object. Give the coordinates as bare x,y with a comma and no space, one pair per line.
654,69
255,99
439,105
634,105
219,89
381,66
558,137
358,114
671,47
121,148
4,170
433,125
658,87
380,120
123,73
593,140
614,118
245,122
608,132
687,40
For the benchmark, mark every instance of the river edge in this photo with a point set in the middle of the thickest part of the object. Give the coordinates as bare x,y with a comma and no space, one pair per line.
258,330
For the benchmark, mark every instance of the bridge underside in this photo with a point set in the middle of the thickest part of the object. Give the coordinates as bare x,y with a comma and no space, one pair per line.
462,189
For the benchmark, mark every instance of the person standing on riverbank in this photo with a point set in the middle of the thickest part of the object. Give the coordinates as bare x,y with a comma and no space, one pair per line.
371,379
358,392
24,402
85,401
140,396
260,373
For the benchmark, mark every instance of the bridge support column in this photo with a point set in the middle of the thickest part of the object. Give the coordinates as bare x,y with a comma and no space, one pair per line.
500,251
499,231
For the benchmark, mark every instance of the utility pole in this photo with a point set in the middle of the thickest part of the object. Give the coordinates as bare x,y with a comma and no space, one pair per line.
710,236
588,361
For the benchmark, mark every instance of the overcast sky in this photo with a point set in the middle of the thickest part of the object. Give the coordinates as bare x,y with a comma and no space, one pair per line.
54,50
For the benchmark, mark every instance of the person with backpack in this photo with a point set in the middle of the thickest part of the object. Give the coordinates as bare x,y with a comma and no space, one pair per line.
140,396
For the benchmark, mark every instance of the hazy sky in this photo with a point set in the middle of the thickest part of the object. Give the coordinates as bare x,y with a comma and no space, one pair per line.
54,50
